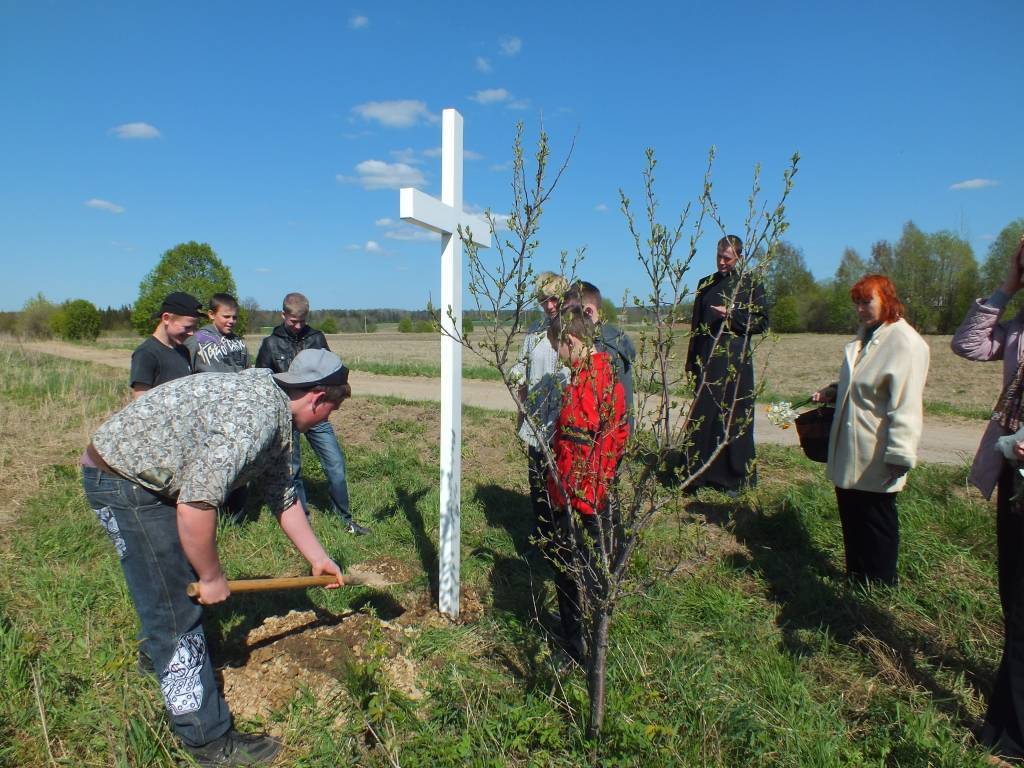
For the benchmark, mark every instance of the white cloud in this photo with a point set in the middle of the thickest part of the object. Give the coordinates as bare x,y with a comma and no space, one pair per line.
400,230
500,219
407,155
490,96
483,64
376,174
370,246
358,22
974,184
263,270
401,113
988,237
135,131
510,46
411,232
600,207
104,205
500,167
467,154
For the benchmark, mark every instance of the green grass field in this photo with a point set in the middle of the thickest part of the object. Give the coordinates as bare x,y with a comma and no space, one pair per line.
757,653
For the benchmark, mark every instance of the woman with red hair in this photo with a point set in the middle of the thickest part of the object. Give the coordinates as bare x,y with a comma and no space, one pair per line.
983,336
876,428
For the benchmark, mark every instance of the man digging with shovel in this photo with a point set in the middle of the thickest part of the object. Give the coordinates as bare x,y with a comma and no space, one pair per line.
155,474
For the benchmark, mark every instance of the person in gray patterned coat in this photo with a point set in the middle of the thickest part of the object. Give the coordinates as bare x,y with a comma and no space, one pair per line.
541,377
154,475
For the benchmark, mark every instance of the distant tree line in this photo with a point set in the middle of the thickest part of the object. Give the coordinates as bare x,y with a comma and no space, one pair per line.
936,275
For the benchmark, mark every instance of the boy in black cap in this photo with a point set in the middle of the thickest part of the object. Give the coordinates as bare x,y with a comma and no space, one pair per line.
163,357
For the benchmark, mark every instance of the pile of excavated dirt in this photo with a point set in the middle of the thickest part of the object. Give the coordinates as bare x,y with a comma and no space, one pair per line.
315,650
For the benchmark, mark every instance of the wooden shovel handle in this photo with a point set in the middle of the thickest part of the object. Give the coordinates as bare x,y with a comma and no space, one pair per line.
283,582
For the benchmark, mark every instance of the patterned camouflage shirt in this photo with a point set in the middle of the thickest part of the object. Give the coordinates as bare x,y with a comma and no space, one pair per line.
195,439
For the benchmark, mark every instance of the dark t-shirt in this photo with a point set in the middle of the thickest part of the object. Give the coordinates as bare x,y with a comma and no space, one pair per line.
153,363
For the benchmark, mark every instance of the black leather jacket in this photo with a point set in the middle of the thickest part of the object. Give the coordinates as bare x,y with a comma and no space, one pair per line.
279,348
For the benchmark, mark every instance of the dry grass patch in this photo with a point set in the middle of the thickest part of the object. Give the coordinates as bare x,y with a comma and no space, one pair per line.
49,412
801,362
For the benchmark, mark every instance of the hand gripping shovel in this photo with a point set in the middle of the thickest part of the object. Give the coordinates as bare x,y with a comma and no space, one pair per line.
352,579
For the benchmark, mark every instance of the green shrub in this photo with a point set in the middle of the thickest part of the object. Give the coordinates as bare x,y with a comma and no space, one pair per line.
329,325
786,315
609,312
77,320
405,325
34,319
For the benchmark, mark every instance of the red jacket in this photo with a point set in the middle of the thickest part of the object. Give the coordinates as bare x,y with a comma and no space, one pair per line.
590,436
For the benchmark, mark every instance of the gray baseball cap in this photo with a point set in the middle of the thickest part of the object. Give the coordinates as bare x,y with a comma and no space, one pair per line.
312,368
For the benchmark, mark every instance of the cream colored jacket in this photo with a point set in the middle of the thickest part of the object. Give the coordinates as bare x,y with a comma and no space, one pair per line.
878,409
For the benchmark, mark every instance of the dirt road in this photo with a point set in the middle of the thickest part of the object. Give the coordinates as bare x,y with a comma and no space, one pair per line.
949,440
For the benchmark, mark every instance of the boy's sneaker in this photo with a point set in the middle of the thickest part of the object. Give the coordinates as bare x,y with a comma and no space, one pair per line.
356,529
235,748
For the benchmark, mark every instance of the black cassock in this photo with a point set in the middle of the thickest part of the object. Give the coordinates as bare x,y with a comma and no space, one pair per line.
725,364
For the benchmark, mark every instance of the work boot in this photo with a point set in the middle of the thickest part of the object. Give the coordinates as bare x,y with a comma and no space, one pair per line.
235,748
356,529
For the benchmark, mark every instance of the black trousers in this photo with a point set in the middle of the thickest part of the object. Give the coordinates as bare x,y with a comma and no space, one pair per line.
573,562
871,534
543,519
1003,731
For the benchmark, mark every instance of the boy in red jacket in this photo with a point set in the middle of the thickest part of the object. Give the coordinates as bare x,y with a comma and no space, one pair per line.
590,438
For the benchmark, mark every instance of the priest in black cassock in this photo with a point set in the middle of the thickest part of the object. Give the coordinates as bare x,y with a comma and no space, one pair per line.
728,310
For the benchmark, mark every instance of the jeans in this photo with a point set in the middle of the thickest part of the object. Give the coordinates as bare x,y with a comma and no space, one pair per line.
325,446
144,531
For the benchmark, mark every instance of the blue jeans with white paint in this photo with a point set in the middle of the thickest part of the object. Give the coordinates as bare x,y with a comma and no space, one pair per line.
144,531
325,445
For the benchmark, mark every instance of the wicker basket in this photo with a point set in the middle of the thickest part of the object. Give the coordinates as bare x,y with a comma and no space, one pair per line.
813,428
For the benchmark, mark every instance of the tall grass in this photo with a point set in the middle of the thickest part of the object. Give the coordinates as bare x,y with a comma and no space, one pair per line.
756,653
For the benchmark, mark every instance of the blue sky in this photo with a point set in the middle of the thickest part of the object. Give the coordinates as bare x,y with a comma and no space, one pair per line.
126,128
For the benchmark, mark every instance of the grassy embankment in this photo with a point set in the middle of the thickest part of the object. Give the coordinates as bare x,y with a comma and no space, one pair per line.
759,654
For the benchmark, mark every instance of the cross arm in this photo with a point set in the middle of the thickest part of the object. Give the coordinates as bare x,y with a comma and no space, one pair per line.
429,212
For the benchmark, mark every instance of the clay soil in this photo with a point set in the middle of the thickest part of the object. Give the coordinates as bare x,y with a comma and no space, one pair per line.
317,652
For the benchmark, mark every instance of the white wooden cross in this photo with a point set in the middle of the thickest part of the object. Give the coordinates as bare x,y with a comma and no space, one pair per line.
445,216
